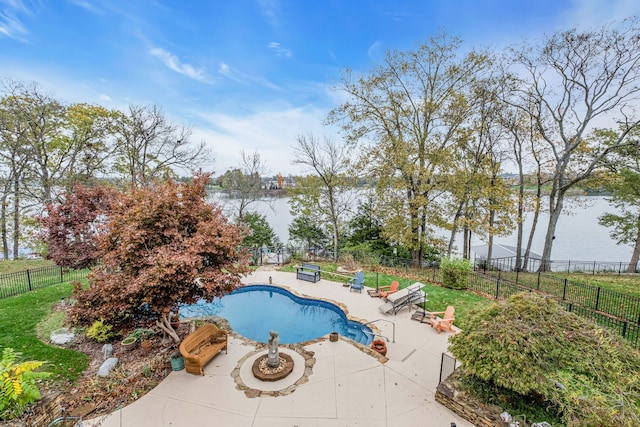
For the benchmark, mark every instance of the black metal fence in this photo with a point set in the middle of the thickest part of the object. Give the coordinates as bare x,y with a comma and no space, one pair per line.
618,304
17,283
563,266
501,288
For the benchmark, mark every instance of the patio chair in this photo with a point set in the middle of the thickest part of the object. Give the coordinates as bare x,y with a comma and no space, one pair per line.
385,291
357,283
445,322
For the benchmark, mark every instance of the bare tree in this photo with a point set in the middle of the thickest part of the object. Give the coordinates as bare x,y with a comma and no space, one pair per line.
150,146
572,80
329,162
244,184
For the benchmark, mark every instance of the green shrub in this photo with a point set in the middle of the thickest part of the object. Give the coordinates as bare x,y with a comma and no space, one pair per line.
533,347
455,273
17,384
141,333
100,331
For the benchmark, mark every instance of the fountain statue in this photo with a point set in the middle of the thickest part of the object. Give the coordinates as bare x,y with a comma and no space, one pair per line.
273,359
274,365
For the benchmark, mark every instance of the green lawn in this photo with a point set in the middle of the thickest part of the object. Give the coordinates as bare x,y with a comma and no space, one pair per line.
19,317
13,266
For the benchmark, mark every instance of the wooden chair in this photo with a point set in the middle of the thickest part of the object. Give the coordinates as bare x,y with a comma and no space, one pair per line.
384,291
445,322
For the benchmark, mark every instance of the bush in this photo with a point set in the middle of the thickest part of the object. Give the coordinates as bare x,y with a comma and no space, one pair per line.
455,273
532,346
17,384
100,331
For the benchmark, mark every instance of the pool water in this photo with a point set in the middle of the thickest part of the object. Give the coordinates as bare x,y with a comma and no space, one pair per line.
253,311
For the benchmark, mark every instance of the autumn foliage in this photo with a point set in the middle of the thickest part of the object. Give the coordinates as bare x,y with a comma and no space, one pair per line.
164,246
72,227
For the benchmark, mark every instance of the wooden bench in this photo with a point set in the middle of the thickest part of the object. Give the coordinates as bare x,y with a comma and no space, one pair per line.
201,346
308,272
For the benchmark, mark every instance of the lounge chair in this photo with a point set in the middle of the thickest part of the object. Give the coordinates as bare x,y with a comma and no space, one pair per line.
357,283
445,322
406,297
385,291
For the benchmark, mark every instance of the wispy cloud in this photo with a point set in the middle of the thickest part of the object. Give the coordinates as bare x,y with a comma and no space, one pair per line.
374,51
279,50
174,63
269,9
244,79
10,24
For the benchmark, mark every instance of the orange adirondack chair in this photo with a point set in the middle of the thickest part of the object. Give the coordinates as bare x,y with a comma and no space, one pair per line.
385,291
445,322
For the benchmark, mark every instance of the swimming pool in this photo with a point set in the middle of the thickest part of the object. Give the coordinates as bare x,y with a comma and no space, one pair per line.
253,311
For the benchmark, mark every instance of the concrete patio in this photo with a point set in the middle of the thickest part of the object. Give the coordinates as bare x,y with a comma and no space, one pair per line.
345,387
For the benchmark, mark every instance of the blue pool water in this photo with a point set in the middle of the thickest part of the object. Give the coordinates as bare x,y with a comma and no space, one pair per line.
253,311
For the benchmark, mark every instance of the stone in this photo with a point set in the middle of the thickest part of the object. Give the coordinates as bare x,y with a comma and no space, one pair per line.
107,351
541,424
506,417
62,336
107,366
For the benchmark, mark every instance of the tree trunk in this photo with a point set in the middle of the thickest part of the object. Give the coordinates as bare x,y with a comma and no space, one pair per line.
520,219
636,251
16,217
554,214
454,229
3,228
492,214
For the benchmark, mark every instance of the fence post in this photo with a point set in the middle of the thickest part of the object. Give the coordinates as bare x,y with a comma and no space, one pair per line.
61,275
597,298
377,287
624,329
620,268
498,287
564,291
29,280
594,268
538,279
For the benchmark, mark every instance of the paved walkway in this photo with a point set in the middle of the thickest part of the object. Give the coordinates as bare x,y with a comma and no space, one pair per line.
345,387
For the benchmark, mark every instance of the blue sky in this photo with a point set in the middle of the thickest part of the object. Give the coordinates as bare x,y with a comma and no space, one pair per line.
250,74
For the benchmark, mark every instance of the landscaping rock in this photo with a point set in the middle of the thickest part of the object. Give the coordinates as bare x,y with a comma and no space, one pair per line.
541,424
107,351
62,336
107,367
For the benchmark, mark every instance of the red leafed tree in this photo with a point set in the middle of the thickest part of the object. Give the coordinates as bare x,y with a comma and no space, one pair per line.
165,246
71,228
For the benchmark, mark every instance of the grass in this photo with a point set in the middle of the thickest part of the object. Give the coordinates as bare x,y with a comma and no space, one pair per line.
19,318
18,265
438,298
627,284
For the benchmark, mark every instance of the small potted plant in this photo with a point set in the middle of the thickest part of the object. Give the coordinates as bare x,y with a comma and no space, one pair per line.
143,335
129,342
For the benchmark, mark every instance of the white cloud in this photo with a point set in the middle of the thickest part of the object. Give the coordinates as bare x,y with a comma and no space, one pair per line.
279,50
244,79
271,132
174,63
103,97
10,24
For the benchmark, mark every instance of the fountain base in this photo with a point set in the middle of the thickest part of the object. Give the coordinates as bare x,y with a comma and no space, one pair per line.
262,371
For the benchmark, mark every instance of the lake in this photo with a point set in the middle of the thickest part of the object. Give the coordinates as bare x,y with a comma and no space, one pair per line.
579,237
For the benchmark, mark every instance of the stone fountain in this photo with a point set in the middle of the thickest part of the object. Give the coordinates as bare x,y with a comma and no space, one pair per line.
274,365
